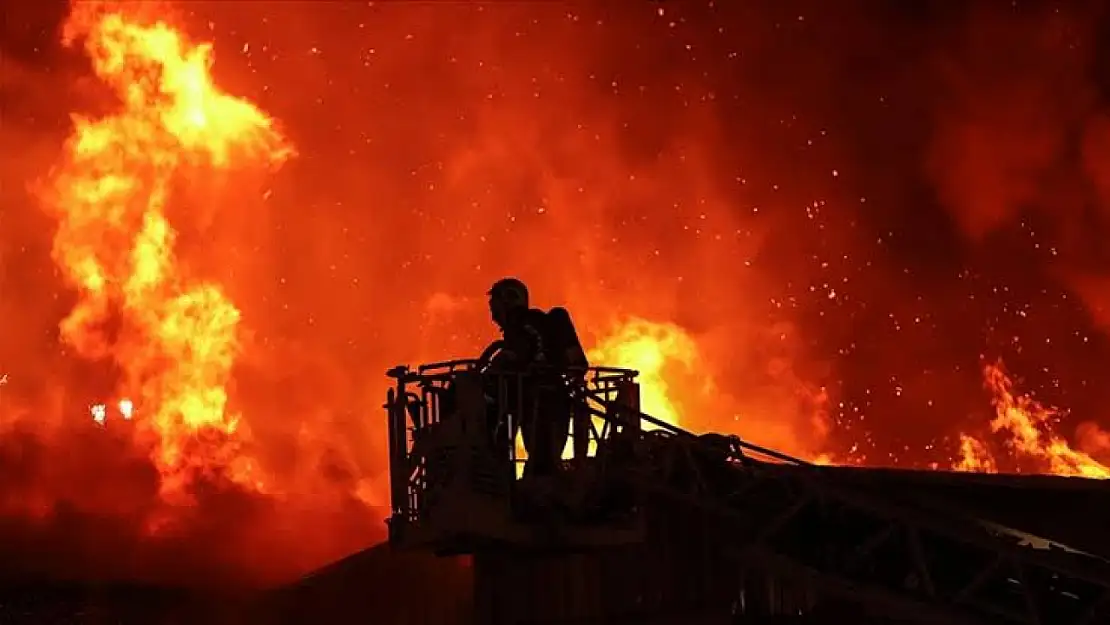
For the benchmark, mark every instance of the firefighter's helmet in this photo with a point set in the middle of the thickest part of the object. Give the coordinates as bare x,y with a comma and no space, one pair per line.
507,294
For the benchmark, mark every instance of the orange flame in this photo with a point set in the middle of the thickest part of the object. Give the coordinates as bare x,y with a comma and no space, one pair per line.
172,334
654,350
975,456
1028,429
677,388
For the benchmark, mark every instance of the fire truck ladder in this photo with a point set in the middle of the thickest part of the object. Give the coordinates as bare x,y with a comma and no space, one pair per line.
926,564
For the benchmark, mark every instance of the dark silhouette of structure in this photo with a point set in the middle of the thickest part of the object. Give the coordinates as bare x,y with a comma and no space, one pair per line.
647,523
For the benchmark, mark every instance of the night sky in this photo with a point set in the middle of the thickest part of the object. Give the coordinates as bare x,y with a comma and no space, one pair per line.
888,195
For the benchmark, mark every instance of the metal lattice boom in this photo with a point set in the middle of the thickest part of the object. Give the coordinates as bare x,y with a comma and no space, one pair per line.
922,561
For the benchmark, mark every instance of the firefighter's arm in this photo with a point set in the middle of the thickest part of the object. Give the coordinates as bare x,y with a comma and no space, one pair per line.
491,354
523,346
518,349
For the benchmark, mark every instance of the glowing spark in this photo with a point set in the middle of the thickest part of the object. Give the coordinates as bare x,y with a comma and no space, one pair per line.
99,413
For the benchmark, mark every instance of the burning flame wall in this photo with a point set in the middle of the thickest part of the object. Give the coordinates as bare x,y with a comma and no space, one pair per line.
220,224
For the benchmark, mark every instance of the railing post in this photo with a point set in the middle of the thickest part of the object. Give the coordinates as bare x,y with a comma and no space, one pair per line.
398,452
581,424
628,397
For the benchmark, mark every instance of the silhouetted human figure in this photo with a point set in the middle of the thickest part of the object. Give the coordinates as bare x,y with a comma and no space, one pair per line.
541,346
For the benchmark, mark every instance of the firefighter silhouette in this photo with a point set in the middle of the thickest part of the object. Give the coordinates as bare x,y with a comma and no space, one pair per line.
544,350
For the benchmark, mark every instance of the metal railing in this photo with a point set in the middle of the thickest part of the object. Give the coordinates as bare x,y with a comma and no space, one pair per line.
436,409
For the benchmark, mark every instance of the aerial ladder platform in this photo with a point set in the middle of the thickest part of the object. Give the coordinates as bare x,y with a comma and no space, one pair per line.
648,523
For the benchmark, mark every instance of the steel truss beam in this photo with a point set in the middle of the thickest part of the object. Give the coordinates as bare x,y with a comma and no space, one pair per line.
922,564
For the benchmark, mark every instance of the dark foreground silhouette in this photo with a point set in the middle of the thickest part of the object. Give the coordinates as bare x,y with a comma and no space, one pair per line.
377,585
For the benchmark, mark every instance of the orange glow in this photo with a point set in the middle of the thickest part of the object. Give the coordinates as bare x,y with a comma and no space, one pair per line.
677,386
204,313
654,350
